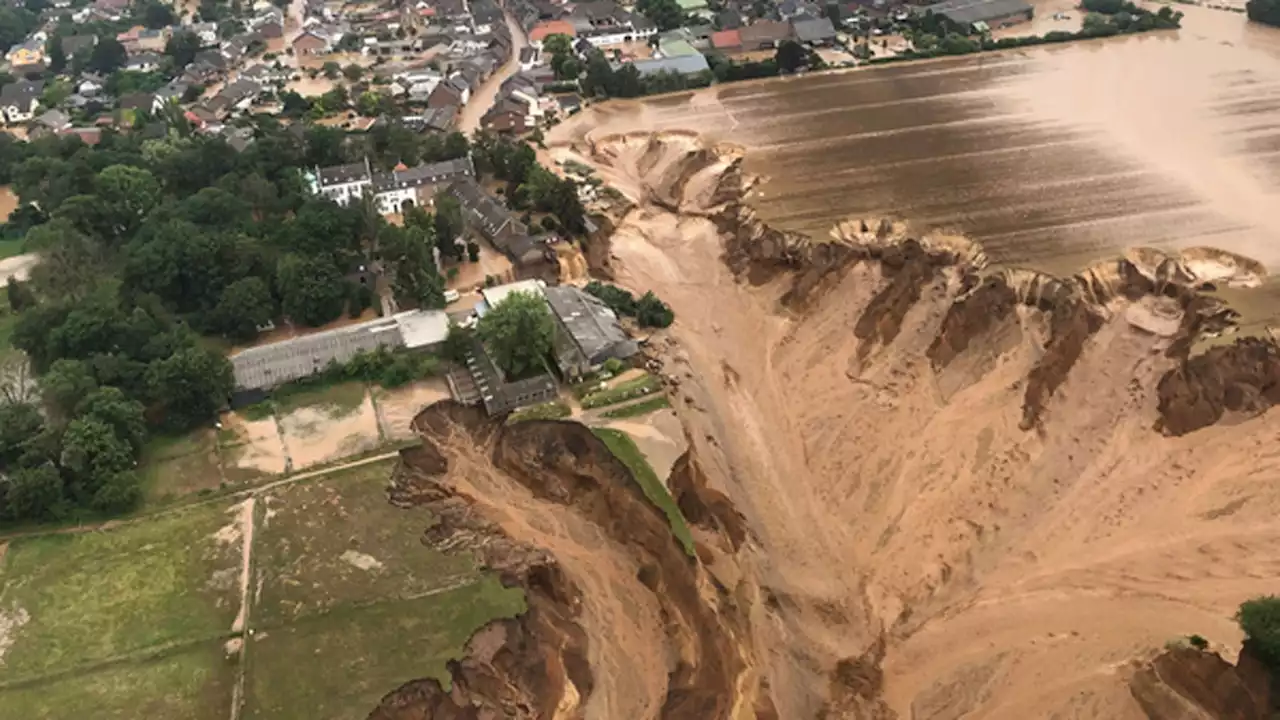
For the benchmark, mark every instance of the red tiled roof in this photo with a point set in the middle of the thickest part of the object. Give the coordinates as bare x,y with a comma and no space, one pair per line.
550,27
726,39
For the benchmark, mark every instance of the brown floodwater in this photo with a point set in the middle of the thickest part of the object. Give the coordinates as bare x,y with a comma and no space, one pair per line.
1052,157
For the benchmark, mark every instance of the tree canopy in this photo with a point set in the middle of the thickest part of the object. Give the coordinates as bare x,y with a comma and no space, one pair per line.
518,334
1259,618
1266,12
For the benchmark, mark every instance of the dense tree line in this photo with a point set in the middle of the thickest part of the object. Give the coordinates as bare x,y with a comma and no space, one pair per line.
149,244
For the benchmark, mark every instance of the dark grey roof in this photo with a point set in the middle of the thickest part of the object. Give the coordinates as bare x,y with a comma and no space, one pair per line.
73,44
241,89
267,366
592,325
527,54
968,12
146,58
21,92
814,30
341,174
428,174
499,395
481,207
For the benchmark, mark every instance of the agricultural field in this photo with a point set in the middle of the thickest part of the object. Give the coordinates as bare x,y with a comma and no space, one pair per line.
108,622
165,616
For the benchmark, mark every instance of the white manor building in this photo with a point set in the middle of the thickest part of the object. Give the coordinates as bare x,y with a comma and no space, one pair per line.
393,191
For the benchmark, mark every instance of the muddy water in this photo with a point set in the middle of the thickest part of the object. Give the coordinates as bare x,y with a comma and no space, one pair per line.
1052,157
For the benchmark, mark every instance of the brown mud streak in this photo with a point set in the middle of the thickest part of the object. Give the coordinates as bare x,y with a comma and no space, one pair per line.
522,668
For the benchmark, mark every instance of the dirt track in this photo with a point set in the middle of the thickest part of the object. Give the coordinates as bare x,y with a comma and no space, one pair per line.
1013,573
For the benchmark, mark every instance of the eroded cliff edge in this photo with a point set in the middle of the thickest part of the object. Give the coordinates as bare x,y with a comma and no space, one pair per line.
919,481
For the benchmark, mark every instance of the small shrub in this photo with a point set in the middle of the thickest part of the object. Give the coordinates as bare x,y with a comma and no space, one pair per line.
613,366
1198,642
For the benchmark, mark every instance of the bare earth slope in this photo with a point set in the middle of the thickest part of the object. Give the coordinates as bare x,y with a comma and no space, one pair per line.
1013,486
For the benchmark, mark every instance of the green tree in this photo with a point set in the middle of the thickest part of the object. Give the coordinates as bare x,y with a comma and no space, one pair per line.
557,44
57,54
19,422
190,386
331,70
353,72
791,56
311,290
35,493
129,193
123,414
448,225
1259,618
666,14
155,15
107,56
652,312
65,384
182,47
93,453
518,334
20,295
245,306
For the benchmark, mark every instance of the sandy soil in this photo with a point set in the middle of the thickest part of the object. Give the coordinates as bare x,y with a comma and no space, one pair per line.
315,435
1010,573
659,435
618,612
310,87
471,274
8,202
257,447
398,407
18,266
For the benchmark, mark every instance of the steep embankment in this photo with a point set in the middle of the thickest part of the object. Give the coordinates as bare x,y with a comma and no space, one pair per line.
621,623
964,491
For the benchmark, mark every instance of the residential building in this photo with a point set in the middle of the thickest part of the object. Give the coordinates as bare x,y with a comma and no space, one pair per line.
587,332
111,9
728,42
817,32
393,191
206,31
55,120
72,45
540,31
500,227
19,100
312,41
26,54
485,384
764,35
150,41
529,56
143,62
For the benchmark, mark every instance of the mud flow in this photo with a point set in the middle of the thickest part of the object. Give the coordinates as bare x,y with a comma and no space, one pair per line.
922,485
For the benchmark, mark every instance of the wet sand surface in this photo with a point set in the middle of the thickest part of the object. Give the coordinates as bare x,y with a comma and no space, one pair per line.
1052,157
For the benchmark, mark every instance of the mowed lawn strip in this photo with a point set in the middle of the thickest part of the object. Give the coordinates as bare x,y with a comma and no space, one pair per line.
336,541
194,683
338,399
72,600
625,449
175,466
337,666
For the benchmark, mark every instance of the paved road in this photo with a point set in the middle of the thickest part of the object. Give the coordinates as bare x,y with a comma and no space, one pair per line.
482,99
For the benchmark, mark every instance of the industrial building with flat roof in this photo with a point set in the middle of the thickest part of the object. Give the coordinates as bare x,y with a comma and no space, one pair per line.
588,332
268,366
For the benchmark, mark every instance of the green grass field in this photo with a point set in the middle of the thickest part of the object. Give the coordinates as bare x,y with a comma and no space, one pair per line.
638,387
131,622
193,683
546,411
176,466
337,400
625,449
321,532
354,656
98,596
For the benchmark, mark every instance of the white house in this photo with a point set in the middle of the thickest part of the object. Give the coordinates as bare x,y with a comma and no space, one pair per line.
345,184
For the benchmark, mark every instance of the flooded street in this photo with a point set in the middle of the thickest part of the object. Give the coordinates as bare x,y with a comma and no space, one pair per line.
1052,157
